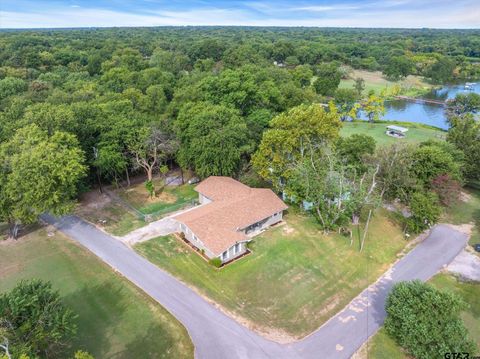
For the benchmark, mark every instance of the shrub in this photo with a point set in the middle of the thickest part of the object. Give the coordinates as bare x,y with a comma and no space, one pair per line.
425,321
425,211
150,188
216,262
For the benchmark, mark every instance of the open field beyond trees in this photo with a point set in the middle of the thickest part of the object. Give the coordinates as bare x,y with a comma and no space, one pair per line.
115,320
294,280
376,81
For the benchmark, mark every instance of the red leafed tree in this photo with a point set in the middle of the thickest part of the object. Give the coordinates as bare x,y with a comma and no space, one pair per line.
448,189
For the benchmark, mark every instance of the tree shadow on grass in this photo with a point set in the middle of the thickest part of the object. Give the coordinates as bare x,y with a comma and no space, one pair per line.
154,341
99,308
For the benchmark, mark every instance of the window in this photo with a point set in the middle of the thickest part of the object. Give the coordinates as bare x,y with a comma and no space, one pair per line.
236,248
225,255
182,227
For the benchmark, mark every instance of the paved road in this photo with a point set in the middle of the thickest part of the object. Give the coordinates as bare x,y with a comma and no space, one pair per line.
216,335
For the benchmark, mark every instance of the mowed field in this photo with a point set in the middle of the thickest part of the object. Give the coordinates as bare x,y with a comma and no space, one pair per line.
415,132
375,81
294,280
115,319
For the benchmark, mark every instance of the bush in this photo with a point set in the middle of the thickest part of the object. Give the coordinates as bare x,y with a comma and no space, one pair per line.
216,262
425,211
425,321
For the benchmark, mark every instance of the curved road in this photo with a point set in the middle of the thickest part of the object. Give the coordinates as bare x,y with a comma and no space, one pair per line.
215,335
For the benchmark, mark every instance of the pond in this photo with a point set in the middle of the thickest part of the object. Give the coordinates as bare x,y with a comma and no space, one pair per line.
426,113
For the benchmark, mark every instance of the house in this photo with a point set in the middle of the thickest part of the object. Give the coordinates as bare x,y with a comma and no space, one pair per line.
229,215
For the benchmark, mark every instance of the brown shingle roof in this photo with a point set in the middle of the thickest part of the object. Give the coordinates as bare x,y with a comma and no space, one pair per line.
234,207
218,188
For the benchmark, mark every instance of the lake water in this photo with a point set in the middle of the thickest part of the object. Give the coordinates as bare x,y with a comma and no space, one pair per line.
429,114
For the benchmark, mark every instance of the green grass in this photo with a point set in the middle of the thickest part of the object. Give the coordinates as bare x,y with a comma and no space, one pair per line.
295,279
374,81
467,211
116,320
415,133
381,346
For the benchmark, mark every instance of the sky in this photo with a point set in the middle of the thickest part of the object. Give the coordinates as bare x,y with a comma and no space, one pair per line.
339,13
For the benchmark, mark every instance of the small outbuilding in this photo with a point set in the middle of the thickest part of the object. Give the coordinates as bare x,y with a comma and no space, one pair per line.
396,131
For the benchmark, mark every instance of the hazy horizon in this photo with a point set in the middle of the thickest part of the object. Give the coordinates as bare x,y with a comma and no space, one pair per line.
407,14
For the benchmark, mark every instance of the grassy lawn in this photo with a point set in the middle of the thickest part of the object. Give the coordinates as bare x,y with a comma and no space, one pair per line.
415,133
295,279
381,346
116,320
467,211
374,81
171,198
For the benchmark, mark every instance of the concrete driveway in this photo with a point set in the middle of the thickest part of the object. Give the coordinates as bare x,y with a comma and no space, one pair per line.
158,228
215,335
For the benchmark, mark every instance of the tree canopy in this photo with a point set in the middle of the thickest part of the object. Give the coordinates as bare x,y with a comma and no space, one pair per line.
35,321
39,173
426,321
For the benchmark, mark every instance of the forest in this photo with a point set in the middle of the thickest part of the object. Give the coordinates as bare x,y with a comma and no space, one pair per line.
82,107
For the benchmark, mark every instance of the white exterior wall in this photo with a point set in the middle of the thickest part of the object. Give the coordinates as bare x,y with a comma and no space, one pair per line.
277,217
190,236
230,252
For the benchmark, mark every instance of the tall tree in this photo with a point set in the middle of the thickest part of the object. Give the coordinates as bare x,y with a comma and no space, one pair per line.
359,85
328,79
374,108
290,135
39,173
398,68
464,133
441,71
213,139
151,147
395,168
429,162
345,100
352,150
